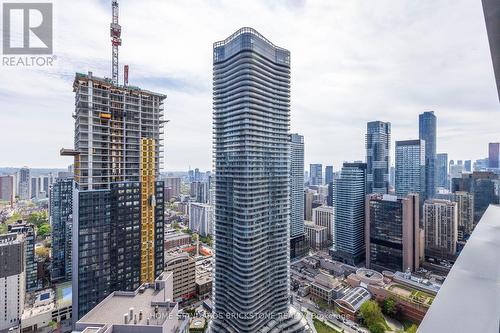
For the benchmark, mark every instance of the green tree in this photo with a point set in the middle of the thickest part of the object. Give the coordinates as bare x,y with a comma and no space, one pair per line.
371,313
389,306
44,230
38,218
412,329
376,328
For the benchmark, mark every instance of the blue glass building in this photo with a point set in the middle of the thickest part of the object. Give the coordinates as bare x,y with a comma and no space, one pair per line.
427,132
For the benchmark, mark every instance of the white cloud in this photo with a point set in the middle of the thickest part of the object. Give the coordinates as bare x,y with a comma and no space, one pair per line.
352,62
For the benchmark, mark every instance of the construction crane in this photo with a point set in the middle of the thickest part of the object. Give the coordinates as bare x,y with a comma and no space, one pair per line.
116,41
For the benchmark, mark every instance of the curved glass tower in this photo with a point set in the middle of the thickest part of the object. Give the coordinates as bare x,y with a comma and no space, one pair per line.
251,102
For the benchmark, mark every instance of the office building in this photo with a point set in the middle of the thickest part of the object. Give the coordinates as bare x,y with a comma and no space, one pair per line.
456,170
465,211
61,220
200,191
315,174
12,280
308,204
392,233
298,245
201,218
150,308
491,9
323,216
493,155
118,203
329,198
410,168
316,235
252,185
174,184
442,170
468,166
427,132
34,187
349,213
378,147
328,174
441,228
483,185
182,267
7,188
30,264
24,183
197,175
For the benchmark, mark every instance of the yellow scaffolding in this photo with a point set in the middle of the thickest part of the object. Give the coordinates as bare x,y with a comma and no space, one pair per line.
148,210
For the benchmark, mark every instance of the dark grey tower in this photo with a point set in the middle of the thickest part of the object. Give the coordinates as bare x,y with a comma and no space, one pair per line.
427,132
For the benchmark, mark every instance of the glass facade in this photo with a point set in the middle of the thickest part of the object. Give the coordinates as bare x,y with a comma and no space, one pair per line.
61,219
378,146
349,212
315,174
251,94
427,133
410,168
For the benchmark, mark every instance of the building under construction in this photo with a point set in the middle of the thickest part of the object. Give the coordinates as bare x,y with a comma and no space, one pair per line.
117,232
117,200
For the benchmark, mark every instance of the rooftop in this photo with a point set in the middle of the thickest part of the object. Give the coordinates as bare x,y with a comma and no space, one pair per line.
354,298
149,305
469,300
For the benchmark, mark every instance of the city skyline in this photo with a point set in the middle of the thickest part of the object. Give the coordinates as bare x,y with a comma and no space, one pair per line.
337,58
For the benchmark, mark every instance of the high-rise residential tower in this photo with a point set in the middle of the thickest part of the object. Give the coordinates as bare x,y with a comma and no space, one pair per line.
315,174
297,235
483,185
392,232
7,188
12,281
328,174
493,155
349,213
442,170
251,100
465,212
117,231
410,168
24,183
61,220
427,132
441,228
378,146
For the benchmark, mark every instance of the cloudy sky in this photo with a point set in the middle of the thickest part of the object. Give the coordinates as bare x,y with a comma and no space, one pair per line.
352,62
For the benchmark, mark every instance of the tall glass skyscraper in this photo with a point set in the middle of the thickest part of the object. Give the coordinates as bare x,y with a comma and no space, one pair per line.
378,146
316,174
328,174
442,170
297,235
251,98
61,220
410,168
349,194
427,132
118,216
